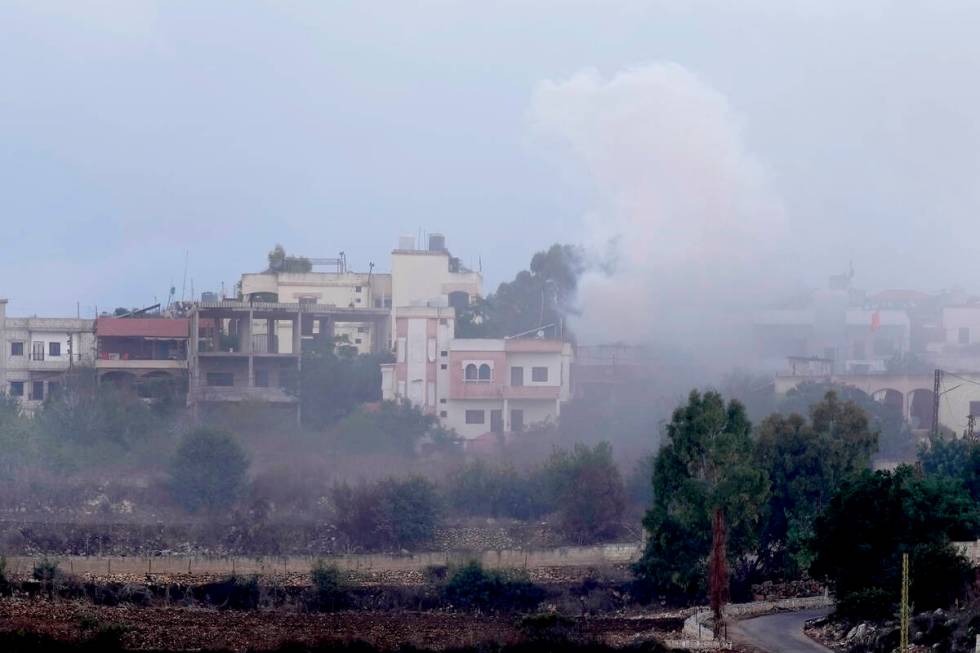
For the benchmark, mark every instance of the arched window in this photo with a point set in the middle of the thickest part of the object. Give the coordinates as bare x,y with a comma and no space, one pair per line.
471,373
484,372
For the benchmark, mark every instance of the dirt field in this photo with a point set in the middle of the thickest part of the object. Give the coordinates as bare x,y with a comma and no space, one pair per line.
178,629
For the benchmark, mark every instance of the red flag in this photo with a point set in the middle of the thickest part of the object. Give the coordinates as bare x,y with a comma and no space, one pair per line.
875,320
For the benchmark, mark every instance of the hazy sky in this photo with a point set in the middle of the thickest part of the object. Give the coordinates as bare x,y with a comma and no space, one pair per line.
131,132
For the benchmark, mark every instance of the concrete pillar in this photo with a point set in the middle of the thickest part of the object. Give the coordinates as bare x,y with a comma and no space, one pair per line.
270,329
298,334
248,350
193,370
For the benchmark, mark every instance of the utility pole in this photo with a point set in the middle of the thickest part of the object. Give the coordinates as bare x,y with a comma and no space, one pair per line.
904,609
936,383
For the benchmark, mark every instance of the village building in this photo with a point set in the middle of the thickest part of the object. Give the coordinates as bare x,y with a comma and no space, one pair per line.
39,351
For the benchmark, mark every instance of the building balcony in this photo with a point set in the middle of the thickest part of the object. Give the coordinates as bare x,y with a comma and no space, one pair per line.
478,390
43,364
140,364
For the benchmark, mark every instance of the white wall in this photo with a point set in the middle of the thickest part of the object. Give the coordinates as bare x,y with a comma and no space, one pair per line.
550,360
535,411
957,317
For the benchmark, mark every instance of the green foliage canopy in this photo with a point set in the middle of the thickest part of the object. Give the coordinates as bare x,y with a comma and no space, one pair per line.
209,470
706,463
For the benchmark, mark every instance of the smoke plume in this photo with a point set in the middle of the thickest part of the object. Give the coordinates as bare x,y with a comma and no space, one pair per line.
685,223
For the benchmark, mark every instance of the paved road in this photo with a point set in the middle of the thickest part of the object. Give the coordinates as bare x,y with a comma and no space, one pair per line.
779,633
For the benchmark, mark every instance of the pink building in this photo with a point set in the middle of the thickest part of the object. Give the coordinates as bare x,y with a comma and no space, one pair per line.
476,386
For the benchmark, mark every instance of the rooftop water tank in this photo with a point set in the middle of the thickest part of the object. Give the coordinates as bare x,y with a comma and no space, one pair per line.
437,243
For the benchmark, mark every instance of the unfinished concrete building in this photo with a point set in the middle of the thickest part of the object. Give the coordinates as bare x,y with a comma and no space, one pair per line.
252,352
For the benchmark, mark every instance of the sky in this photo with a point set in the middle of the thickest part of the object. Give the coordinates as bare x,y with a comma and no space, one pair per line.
717,151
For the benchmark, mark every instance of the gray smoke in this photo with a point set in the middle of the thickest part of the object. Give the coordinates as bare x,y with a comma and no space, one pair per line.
684,217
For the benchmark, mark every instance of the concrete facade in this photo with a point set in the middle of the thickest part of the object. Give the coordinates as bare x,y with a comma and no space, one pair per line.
353,290
38,351
229,363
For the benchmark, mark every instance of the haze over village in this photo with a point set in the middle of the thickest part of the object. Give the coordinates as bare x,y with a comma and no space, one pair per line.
534,326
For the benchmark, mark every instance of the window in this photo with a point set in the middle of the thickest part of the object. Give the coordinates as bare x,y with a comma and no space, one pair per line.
485,372
516,420
539,374
357,341
16,349
443,353
37,390
471,373
442,401
964,335
443,413
261,378
443,321
37,351
221,379
362,329
357,289
16,388
443,366
307,300
475,417
357,300
53,388
517,376
54,349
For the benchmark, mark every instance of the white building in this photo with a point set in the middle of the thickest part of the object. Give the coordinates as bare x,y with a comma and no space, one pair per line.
38,351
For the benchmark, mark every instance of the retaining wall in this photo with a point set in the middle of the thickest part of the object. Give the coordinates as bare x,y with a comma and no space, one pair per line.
571,556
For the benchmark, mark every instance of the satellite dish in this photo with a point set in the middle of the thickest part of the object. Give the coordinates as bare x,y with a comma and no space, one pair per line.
541,333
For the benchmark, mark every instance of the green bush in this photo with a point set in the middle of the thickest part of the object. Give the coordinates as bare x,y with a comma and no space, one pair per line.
46,572
330,589
588,491
479,489
5,587
472,587
391,513
208,471
868,604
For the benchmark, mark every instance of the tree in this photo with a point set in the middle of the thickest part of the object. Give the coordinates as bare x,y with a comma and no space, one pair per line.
280,262
209,470
894,436
537,297
88,412
805,463
705,465
394,428
874,518
335,379
588,491
18,445
388,514
954,459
